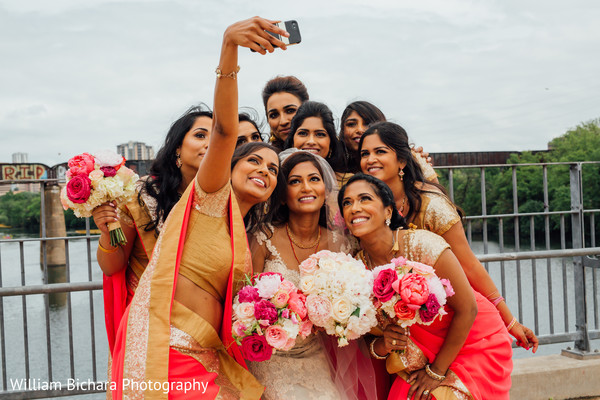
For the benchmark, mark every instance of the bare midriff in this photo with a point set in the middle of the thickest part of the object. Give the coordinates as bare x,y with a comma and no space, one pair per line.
199,301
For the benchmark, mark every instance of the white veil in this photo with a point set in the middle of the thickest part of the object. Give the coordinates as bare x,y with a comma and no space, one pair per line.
350,366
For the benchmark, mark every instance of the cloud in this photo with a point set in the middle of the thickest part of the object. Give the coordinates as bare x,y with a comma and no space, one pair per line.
459,75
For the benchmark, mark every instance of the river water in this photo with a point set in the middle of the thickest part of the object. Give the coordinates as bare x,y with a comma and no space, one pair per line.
84,322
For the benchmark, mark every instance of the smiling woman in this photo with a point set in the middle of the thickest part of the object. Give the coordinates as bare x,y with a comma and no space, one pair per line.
301,228
282,96
177,329
313,130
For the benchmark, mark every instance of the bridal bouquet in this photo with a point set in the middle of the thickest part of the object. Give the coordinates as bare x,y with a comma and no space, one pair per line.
410,292
268,315
96,179
339,292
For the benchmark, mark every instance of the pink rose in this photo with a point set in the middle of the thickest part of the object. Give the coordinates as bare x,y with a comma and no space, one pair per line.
289,344
256,348
308,266
382,285
403,312
239,329
108,171
79,188
319,309
305,328
433,306
421,269
447,287
276,336
413,289
297,304
399,261
288,286
244,311
81,164
266,311
280,299
248,294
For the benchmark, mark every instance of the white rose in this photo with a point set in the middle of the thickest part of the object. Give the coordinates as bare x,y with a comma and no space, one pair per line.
291,328
342,309
307,284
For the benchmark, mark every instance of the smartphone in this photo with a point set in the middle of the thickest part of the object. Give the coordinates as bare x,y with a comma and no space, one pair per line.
290,27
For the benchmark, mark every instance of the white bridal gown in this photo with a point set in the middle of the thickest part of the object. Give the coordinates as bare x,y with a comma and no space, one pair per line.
303,372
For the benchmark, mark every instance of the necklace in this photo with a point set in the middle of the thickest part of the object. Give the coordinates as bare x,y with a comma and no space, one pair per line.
293,242
299,245
366,258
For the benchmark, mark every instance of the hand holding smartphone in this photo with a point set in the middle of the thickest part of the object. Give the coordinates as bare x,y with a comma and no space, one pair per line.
290,27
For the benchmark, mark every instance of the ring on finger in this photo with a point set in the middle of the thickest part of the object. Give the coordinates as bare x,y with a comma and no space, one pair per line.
394,342
425,392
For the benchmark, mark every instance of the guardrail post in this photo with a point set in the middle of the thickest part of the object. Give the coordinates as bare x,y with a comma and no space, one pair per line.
582,345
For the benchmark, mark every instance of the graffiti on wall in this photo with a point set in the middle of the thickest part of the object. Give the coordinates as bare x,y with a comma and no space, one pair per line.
13,172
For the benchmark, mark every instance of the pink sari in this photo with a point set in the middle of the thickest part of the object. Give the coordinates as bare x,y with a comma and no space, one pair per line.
482,369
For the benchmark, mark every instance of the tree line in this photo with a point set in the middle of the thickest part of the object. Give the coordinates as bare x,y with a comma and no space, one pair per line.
579,144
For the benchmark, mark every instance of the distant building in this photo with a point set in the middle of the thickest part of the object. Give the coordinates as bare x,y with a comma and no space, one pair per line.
135,151
20,158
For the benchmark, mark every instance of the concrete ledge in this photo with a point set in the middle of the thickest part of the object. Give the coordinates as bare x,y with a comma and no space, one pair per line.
555,377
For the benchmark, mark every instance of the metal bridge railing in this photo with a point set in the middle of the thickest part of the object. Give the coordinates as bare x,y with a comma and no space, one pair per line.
52,337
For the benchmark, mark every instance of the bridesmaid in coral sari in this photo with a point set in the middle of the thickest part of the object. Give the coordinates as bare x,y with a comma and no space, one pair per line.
465,355
174,340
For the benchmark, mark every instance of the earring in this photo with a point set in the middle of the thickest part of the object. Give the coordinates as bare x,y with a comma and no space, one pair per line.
388,221
178,160
329,154
266,207
401,174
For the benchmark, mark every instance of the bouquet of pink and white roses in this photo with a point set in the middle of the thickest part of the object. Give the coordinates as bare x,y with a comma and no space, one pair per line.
410,292
268,315
339,292
96,179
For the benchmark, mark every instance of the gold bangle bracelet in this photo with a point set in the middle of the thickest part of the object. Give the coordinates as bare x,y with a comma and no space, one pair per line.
232,74
373,353
107,250
433,375
511,324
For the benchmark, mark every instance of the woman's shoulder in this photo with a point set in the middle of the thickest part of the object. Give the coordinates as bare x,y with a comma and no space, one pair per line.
424,246
263,233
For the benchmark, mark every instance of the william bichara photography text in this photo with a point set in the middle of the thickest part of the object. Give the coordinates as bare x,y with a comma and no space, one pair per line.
90,385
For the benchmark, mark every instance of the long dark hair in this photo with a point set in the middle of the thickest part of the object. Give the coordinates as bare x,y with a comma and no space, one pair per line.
370,114
282,214
382,191
256,217
249,114
396,138
165,177
335,158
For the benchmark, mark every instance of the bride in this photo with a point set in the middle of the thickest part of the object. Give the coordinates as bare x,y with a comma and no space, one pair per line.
301,227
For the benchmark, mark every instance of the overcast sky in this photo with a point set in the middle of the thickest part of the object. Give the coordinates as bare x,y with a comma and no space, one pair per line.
80,75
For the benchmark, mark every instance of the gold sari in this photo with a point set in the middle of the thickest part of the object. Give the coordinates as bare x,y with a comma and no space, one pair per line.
157,331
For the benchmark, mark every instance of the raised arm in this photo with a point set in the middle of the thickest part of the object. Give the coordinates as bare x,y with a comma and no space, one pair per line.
214,171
